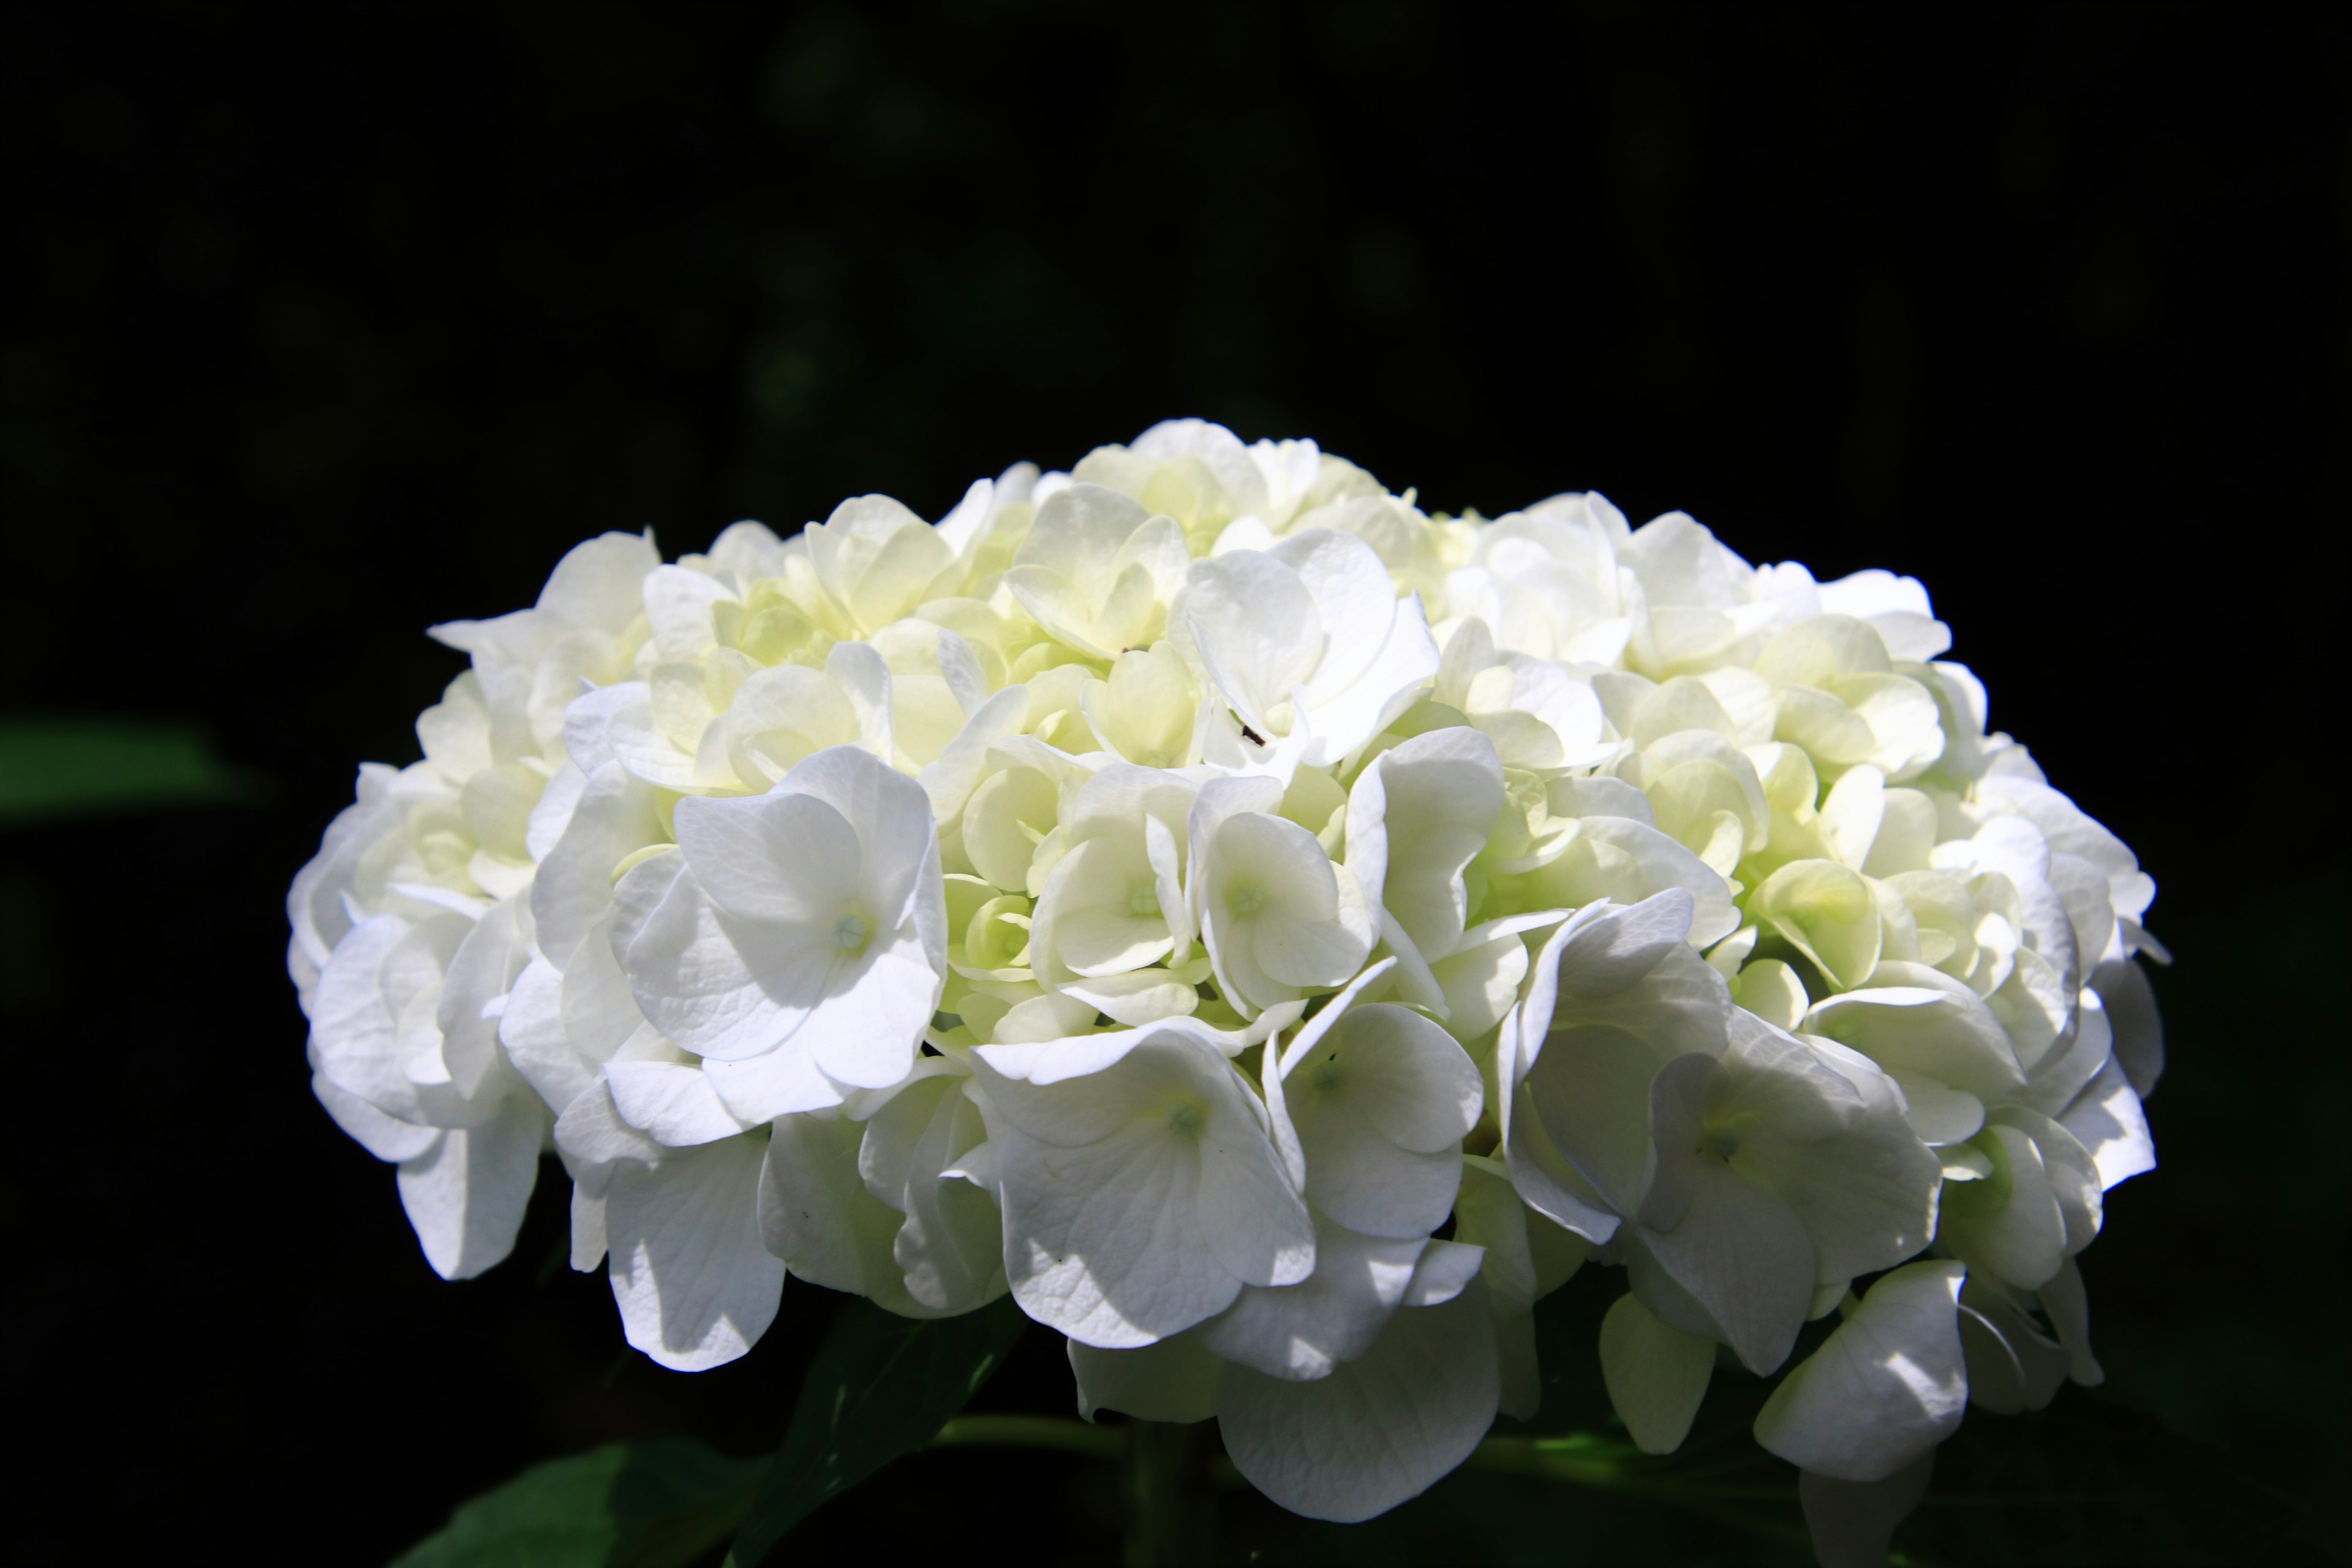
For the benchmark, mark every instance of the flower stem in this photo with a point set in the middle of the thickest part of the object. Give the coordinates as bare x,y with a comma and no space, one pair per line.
1032,1432
1172,1510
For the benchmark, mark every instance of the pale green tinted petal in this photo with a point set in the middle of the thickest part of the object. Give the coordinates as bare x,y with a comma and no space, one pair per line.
2009,1224
1826,911
1771,990
601,582
1657,1375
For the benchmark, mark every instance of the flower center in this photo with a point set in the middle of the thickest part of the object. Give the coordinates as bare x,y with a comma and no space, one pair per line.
1144,900
1244,898
849,933
1186,1115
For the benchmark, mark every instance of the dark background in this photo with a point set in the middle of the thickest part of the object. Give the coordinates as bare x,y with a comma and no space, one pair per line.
320,324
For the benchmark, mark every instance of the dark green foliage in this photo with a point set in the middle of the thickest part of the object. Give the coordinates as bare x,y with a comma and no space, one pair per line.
661,1502
53,768
880,1387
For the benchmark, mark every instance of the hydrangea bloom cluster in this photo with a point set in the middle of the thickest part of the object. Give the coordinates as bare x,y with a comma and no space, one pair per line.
1275,934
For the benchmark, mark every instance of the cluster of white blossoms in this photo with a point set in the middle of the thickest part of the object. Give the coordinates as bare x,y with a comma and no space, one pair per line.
1275,934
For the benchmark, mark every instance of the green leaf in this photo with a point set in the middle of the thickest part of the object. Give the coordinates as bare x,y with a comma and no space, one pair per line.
55,767
660,1502
881,1385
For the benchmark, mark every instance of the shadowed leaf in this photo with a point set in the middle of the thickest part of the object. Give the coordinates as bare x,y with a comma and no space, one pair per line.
881,1386
62,767
660,1502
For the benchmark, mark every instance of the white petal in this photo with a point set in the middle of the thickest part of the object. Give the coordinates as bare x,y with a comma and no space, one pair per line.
1254,1219
2070,1313
679,603
1255,626
639,743
1364,1181
2107,1120
1444,1271
587,1228
1440,792
1381,1105
863,676
888,812
816,1215
1103,1242
1302,1330
784,858
1661,864
690,975
783,1082
1480,983
1619,949
466,1197
951,1250
618,813
385,1137
1938,1114
1159,1195
2011,1364
868,1029
695,1285
1539,1172
1917,1022
588,721
1343,721
591,1133
2123,986
1856,1176
1887,1385
355,1032
671,1102
1398,1073
1354,600
1526,1257
1376,1431
1590,1096
480,972
1746,1258
537,1043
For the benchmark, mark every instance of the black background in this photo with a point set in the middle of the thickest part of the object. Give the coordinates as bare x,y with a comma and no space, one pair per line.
325,323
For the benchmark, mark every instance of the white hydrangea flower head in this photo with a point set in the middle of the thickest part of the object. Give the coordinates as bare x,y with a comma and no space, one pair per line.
1277,934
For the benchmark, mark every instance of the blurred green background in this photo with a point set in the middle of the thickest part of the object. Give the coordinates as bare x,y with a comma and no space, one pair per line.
324,323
